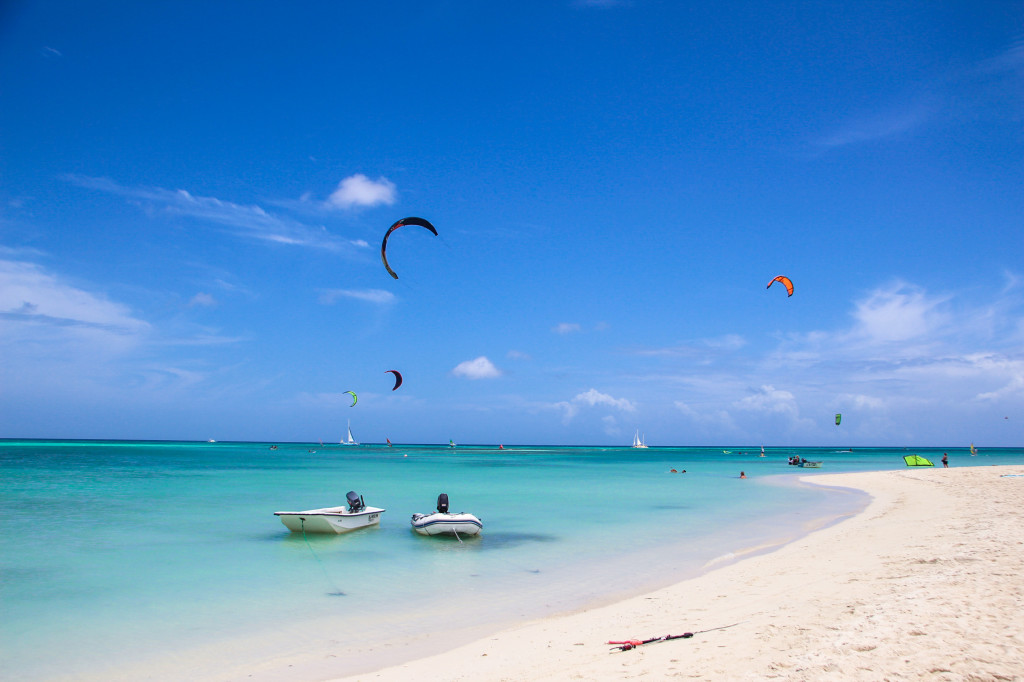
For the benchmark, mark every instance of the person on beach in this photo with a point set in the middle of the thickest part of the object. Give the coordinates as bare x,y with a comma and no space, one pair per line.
743,474
945,460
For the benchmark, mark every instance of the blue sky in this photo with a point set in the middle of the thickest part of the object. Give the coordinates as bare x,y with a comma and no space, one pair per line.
193,195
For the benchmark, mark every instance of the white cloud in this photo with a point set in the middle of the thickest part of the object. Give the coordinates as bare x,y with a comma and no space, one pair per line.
909,362
595,397
203,299
592,398
566,328
898,313
29,295
770,400
359,190
380,296
480,368
59,339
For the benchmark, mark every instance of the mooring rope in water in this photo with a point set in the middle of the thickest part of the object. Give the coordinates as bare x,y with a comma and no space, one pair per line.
337,591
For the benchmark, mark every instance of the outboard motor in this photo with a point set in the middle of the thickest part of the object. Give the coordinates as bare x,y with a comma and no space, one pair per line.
355,502
442,503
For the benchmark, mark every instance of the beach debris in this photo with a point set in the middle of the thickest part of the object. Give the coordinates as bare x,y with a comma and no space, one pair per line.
412,220
627,644
785,281
355,398
398,378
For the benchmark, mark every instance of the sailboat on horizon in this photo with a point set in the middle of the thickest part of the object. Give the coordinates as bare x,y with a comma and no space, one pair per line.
639,442
349,440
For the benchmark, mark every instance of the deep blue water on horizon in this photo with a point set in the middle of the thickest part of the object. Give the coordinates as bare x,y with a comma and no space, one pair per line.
123,552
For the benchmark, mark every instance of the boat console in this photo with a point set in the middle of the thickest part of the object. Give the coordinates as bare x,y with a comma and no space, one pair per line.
442,503
355,502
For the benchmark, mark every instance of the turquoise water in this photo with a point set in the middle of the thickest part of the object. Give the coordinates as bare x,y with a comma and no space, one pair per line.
118,554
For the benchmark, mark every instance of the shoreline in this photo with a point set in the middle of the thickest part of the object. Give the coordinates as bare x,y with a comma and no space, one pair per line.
922,582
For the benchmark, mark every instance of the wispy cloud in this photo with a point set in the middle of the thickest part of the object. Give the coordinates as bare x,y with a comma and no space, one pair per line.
602,3
380,296
248,221
702,350
876,126
564,328
30,295
359,190
479,368
991,88
1010,61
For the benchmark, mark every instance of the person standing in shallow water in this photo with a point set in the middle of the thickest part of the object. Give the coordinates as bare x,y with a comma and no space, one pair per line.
945,460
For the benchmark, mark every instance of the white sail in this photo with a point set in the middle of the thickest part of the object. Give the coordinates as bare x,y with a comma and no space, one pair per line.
349,440
638,442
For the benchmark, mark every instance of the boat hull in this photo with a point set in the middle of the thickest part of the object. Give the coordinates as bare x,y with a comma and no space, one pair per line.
335,520
446,524
811,465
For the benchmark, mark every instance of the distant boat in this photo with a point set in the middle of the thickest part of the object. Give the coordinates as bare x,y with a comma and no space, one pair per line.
349,440
211,441
451,443
809,464
639,442
973,450
762,451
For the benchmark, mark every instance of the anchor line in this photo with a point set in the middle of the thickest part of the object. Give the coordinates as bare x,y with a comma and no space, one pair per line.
337,590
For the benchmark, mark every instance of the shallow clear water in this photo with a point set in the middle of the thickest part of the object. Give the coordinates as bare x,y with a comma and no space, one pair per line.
113,551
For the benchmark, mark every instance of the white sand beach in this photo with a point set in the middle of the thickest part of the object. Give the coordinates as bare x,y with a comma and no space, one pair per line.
926,583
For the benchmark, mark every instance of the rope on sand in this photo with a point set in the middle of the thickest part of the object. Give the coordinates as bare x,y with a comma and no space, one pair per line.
626,645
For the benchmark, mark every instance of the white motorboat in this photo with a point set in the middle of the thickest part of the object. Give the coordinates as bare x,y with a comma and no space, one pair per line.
639,442
332,519
443,522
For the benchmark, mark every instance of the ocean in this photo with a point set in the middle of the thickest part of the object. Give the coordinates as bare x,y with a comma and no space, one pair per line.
165,560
